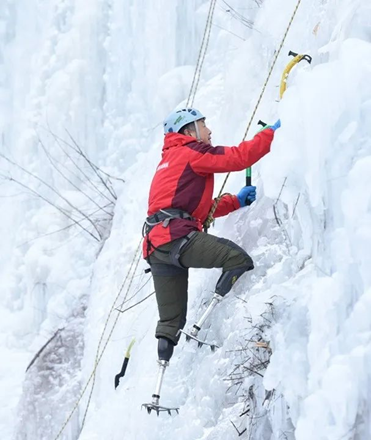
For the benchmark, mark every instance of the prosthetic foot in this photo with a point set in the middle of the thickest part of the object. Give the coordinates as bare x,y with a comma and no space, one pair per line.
193,333
165,351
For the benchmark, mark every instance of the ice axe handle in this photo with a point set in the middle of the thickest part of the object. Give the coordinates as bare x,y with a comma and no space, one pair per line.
248,179
248,182
248,170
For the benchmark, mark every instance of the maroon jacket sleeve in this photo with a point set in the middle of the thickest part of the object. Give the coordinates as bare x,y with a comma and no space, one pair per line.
227,204
207,159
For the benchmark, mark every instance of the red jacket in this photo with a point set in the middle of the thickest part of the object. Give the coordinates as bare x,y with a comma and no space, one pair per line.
184,180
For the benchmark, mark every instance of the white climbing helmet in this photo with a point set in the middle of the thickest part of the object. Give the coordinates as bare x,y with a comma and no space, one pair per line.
179,118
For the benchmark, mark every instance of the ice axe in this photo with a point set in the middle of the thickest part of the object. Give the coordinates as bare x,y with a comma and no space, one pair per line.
124,365
297,58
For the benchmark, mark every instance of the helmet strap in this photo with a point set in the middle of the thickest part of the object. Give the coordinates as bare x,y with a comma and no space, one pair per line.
197,131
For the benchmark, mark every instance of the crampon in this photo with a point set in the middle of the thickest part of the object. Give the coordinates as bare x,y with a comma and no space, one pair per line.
193,333
200,343
155,404
158,408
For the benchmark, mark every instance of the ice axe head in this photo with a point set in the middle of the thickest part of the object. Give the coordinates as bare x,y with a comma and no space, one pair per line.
305,57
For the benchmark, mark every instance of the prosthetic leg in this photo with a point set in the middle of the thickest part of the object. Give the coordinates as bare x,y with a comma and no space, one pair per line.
165,351
193,333
223,286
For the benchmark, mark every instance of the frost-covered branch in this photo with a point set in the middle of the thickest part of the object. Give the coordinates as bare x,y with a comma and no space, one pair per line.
239,17
54,191
59,142
37,355
95,169
254,356
58,208
136,304
51,160
277,217
65,228
296,204
239,432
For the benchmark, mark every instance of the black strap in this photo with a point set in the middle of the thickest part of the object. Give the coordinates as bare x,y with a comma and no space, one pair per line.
176,249
163,216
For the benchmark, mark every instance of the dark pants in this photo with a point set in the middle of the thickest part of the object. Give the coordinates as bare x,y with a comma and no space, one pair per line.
170,275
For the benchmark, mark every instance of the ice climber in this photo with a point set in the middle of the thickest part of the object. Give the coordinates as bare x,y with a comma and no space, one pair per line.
180,199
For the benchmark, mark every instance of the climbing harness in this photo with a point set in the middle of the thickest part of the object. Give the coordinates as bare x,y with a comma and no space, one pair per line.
124,365
164,216
210,218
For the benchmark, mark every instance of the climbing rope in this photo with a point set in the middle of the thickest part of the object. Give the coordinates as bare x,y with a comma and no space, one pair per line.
201,54
135,261
133,266
210,218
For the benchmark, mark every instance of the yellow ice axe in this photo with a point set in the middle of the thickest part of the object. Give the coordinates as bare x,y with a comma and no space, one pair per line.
297,58
125,364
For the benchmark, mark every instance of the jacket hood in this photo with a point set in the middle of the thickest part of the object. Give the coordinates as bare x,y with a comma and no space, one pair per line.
176,140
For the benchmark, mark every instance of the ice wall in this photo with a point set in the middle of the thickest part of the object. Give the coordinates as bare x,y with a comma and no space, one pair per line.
103,74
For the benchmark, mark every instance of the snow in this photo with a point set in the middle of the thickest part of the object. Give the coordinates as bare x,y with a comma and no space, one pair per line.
104,74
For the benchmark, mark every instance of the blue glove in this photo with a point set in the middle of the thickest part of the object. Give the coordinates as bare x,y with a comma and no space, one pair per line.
276,125
273,127
247,195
